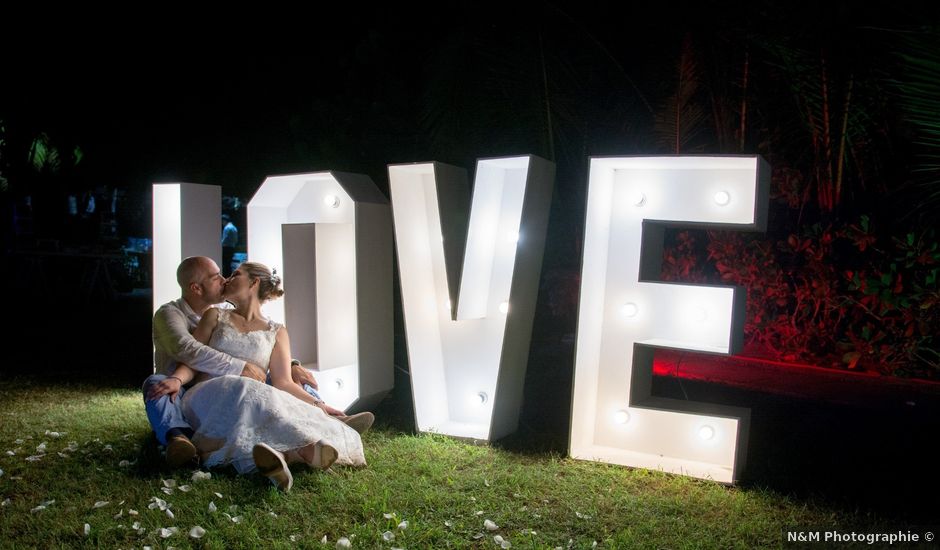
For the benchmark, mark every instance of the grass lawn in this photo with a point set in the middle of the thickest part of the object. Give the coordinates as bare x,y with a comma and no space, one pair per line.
80,469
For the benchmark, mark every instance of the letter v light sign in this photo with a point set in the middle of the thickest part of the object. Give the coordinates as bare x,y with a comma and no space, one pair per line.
624,313
469,290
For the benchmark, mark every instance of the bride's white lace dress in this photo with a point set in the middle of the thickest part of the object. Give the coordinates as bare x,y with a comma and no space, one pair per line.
230,414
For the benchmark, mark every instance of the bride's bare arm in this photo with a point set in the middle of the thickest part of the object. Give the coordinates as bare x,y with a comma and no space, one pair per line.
280,370
183,374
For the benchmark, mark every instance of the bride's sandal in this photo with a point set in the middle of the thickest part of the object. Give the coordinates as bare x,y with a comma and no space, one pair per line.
318,455
324,455
271,464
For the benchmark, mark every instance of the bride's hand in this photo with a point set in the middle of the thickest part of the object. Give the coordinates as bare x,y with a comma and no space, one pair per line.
168,386
332,411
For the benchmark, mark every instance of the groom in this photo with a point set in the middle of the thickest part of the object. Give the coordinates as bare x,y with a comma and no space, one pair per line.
201,284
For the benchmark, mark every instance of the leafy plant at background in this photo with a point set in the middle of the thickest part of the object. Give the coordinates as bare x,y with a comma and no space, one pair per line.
831,296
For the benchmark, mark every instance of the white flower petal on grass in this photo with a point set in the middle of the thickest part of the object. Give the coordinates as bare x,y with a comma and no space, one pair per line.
42,506
594,544
132,512
18,442
157,503
169,514
323,540
34,458
108,448
490,526
11,453
73,446
403,524
448,523
272,514
1,472
218,494
169,483
6,502
343,543
517,495
166,532
101,504
478,536
197,532
167,490
87,529
233,508
212,507
199,475
124,463
41,448
478,513
136,525
388,516
473,499
63,455
54,434
119,515
185,488
293,538
485,482
388,536
503,543
582,516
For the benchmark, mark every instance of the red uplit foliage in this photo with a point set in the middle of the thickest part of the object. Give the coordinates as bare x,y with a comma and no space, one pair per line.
832,296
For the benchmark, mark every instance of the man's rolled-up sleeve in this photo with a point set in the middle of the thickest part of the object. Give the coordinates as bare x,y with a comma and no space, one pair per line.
171,334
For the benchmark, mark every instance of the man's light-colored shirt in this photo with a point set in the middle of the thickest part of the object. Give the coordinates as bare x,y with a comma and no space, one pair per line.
173,343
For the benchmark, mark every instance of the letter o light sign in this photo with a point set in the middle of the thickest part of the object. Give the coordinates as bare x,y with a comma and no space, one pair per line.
624,313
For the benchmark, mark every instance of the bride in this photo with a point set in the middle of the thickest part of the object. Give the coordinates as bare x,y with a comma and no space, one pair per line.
249,424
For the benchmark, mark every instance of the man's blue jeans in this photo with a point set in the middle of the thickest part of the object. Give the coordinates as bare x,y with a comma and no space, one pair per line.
163,414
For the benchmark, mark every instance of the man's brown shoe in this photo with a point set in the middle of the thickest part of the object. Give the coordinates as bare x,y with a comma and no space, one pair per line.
361,422
180,451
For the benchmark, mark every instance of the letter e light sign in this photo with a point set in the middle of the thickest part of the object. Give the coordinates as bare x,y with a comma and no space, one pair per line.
625,313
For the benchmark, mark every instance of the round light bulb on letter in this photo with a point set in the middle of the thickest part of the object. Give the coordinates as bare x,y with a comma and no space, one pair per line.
480,398
706,432
722,198
629,310
638,198
331,200
339,383
621,417
504,307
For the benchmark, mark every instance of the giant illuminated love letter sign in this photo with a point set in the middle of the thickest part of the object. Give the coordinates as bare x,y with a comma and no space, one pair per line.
328,234
624,314
468,294
185,223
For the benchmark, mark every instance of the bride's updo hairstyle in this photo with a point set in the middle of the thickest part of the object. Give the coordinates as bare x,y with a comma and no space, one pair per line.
270,283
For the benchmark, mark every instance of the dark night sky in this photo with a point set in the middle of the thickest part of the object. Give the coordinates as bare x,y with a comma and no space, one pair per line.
353,93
